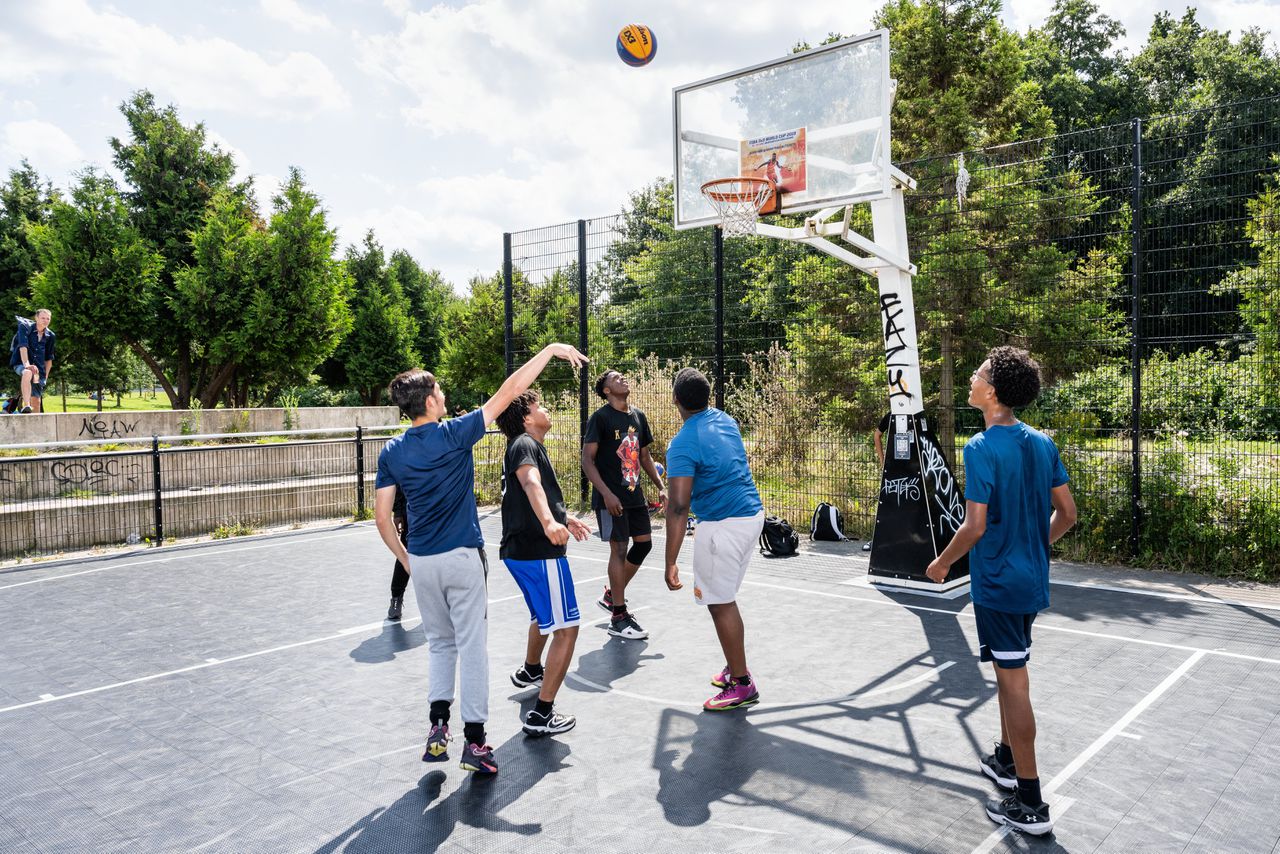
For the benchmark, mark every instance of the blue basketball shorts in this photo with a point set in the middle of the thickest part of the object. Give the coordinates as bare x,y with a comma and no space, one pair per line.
1003,638
547,586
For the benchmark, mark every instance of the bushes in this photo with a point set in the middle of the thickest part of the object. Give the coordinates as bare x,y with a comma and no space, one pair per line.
1199,394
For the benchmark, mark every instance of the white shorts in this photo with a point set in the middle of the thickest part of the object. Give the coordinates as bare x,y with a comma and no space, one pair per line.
721,552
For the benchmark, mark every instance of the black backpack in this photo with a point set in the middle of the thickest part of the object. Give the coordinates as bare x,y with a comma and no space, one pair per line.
827,524
778,537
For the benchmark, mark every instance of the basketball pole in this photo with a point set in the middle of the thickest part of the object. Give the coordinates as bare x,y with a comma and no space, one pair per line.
920,505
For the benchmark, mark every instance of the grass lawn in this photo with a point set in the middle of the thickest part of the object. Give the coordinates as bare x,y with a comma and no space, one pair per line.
81,403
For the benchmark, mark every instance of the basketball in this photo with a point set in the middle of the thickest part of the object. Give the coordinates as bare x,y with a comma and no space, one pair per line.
636,45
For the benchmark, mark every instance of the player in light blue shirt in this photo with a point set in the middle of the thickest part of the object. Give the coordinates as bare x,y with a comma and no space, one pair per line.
1018,503
707,471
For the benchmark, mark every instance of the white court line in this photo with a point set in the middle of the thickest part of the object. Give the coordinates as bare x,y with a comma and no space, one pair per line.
1100,742
213,662
884,689
186,553
1040,624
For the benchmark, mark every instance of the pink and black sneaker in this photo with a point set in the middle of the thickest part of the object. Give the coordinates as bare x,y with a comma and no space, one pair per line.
479,758
735,695
721,679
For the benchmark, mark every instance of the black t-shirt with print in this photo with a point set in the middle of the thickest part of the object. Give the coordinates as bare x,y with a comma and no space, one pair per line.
522,534
619,437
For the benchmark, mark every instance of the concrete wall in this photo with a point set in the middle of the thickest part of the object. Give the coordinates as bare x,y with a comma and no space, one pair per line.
60,502
117,424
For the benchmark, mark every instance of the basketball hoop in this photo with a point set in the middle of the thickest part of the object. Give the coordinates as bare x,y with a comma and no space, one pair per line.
738,201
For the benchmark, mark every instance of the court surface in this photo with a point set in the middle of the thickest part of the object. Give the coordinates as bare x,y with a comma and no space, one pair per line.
246,696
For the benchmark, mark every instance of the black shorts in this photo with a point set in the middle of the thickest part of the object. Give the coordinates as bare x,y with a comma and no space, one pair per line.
634,522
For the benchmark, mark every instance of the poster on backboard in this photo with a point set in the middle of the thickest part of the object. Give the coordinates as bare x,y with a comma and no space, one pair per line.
777,156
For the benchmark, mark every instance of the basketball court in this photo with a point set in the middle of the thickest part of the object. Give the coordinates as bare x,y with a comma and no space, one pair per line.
245,696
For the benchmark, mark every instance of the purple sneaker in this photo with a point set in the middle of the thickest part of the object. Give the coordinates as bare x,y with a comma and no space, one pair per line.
437,744
479,758
721,679
734,696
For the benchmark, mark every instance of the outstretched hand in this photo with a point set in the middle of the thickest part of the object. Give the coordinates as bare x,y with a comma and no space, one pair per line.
569,353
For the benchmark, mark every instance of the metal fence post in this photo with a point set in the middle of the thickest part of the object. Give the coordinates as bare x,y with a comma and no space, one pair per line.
508,327
157,501
719,264
583,344
1135,347
359,471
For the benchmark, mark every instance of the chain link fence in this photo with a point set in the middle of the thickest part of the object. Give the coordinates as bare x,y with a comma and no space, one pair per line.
1140,263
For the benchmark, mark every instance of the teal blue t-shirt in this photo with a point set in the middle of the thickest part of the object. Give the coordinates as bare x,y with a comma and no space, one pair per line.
709,449
1012,470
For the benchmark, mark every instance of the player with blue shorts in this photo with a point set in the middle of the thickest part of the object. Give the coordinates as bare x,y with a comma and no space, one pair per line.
536,526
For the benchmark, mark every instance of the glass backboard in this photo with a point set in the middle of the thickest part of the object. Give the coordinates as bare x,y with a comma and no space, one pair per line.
816,123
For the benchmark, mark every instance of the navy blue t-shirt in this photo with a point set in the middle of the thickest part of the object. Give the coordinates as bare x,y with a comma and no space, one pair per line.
433,467
1012,470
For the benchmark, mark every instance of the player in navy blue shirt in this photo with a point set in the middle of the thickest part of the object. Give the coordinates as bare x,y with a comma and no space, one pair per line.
707,472
431,463
1017,503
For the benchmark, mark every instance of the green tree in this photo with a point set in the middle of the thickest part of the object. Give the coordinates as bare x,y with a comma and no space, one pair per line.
472,360
211,294
1084,80
299,314
25,200
1258,288
380,344
173,173
95,271
428,296
961,78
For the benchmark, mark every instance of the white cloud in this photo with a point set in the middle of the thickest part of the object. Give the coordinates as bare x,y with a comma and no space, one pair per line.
399,8
292,13
203,73
49,148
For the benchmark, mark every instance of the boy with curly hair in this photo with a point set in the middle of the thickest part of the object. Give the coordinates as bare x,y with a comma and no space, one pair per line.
536,526
1018,502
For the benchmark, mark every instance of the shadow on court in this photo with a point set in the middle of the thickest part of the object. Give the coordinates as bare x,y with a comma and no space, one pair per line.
384,647
618,658
421,821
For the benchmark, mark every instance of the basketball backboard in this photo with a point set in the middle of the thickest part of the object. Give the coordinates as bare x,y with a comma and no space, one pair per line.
816,123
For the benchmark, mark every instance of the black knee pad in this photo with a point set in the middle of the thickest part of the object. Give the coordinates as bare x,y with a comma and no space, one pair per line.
639,551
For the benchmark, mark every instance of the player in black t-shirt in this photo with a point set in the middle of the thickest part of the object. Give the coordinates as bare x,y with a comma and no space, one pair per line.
614,451
535,528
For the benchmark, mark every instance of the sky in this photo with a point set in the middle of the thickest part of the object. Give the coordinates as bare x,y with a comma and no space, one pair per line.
438,125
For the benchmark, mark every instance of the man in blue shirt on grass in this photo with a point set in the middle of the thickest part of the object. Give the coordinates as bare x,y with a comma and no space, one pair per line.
1018,503
707,471
431,463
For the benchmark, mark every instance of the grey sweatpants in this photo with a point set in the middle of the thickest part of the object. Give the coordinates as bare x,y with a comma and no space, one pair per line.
452,594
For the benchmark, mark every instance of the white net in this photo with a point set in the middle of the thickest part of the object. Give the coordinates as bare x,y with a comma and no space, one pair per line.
738,202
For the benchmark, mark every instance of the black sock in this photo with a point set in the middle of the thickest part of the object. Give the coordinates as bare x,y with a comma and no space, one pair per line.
1029,791
439,712
543,707
743,680
619,611
1004,754
473,732
533,669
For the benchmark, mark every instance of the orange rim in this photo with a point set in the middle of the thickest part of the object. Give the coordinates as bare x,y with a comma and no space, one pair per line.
754,193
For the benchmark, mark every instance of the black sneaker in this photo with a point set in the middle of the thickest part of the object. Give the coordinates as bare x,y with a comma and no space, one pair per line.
552,723
397,606
627,627
26,410
522,678
1013,812
606,601
1002,775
